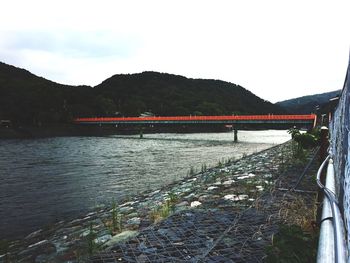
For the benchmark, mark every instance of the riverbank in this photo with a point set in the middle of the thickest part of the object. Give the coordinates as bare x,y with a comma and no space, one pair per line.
235,185
54,130
66,129
71,129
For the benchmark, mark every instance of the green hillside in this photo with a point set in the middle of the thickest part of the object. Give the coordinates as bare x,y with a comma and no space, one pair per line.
26,98
166,94
307,104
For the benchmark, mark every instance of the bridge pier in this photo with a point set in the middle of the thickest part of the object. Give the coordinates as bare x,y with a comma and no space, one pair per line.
235,132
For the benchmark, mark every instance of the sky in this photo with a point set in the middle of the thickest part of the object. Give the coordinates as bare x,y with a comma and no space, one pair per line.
277,49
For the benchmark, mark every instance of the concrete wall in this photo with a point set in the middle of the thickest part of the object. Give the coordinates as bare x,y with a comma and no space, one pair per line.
340,147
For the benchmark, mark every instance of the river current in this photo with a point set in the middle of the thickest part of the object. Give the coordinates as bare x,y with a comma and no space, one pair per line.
43,181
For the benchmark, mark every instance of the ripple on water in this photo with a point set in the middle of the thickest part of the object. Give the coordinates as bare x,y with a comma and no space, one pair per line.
47,180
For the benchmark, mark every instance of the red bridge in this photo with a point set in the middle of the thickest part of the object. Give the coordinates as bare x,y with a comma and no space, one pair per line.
300,120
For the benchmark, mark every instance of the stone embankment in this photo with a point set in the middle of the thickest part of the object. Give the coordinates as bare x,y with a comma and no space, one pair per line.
206,205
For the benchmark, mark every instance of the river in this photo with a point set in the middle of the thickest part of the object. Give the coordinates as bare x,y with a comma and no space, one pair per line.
47,180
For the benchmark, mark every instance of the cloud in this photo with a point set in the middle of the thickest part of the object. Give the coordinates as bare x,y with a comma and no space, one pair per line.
275,49
95,44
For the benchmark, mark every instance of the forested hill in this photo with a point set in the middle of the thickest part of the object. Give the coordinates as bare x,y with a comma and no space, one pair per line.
308,104
166,94
27,98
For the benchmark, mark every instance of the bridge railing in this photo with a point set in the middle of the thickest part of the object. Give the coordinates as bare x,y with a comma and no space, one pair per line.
310,117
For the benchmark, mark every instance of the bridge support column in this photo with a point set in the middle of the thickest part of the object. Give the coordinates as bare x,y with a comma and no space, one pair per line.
235,135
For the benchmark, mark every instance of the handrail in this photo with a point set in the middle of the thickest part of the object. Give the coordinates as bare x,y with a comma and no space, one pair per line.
331,246
307,117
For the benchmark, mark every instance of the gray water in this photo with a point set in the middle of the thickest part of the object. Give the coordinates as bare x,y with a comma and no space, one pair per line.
43,181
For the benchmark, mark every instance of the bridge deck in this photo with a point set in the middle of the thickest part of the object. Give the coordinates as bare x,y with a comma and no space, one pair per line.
238,119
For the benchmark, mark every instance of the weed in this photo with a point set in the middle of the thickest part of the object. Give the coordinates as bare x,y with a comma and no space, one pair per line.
220,165
114,215
292,244
192,171
163,211
296,240
204,168
211,178
155,215
304,216
92,246
116,218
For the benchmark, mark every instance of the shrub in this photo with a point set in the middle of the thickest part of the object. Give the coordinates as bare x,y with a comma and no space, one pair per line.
292,244
306,140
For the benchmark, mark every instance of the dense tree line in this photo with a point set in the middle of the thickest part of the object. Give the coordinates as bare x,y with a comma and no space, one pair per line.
26,98
309,104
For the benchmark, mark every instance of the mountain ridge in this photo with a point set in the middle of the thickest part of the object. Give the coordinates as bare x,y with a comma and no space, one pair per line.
27,98
307,104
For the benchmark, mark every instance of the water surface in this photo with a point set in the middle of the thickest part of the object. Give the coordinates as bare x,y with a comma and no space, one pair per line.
47,180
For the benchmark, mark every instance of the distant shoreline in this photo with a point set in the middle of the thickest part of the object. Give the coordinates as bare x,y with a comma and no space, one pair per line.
72,130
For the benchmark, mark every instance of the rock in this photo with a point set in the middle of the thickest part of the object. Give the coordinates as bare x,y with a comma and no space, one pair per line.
40,243
231,198
43,247
195,203
135,221
148,250
131,215
181,206
190,196
103,239
85,233
202,198
142,258
127,204
97,223
184,203
91,214
42,259
186,190
260,188
155,192
126,209
251,175
210,188
34,234
243,197
122,237
228,182
168,233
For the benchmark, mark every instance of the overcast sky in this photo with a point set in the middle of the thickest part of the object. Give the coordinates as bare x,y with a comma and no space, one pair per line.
276,49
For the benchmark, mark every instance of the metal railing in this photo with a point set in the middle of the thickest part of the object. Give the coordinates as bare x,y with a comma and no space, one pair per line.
331,246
